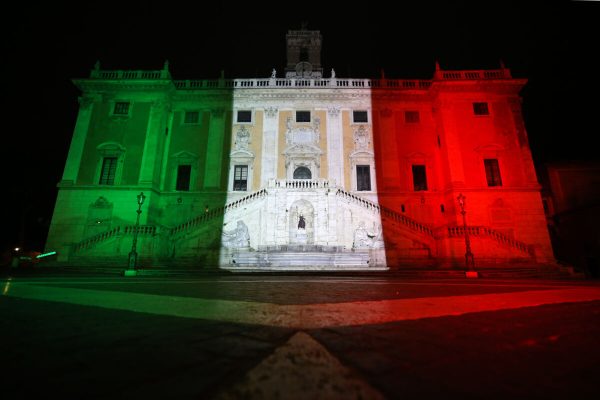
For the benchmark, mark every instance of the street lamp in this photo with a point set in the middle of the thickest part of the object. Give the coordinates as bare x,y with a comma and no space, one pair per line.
133,254
469,260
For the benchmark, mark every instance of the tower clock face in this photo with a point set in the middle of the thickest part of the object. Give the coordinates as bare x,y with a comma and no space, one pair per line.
304,69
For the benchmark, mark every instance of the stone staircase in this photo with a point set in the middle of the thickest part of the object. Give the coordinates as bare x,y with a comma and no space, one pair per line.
300,258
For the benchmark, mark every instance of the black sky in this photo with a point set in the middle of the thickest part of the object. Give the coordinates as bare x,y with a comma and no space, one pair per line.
46,45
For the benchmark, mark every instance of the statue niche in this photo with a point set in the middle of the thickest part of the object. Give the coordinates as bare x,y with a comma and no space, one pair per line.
301,222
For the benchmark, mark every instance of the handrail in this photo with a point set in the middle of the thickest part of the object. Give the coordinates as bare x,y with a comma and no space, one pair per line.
386,212
299,184
316,83
116,231
93,240
217,212
459,231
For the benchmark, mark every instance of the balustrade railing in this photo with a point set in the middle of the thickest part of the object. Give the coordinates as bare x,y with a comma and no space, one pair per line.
217,212
386,212
350,83
303,83
93,240
141,229
459,231
300,184
474,74
130,74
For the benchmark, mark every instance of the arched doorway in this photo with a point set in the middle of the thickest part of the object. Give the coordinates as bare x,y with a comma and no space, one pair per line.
302,173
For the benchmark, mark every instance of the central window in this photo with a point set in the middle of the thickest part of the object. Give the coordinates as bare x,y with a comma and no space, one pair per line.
360,117
481,108
184,173
240,178
191,117
492,172
363,177
302,173
419,177
109,170
302,116
244,116
121,108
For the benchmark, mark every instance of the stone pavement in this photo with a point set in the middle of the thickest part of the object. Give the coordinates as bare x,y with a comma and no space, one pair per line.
286,337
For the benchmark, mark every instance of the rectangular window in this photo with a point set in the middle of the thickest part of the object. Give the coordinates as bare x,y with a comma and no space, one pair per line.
240,178
121,108
419,177
492,172
244,116
302,116
109,171
411,117
481,109
363,177
191,117
360,117
184,173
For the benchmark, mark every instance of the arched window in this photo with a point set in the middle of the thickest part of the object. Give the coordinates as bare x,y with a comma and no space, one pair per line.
302,173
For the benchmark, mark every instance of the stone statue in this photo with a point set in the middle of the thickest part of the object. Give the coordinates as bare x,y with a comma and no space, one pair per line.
301,223
365,240
332,73
273,74
237,238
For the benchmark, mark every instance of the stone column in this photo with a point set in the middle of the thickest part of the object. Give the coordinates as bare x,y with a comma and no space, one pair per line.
214,150
86,106
269,146
150,166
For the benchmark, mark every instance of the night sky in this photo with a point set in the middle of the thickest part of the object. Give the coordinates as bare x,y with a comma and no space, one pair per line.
46,45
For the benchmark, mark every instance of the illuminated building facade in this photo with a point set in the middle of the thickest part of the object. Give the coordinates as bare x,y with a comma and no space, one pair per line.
302,171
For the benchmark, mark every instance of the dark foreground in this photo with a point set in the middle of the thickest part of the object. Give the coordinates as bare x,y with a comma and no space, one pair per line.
298,337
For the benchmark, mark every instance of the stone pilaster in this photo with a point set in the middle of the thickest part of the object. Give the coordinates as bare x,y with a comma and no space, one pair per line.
214,150
269,146
335,146
86,106
165,160
446,125
149,169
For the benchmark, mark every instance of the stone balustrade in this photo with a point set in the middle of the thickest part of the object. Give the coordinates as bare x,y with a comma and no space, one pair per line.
478,231
100,237
503,73
317,83
299,184
127,74
385,212
217,212
283,83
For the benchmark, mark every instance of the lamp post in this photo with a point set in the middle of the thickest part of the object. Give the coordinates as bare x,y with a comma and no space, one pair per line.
133,254
469,260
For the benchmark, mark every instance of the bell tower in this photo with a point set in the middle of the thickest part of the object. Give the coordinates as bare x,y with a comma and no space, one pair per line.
303,54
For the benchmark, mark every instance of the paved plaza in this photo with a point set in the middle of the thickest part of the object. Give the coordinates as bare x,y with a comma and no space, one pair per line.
219,336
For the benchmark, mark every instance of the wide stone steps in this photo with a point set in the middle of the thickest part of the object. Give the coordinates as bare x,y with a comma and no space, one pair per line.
299,261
